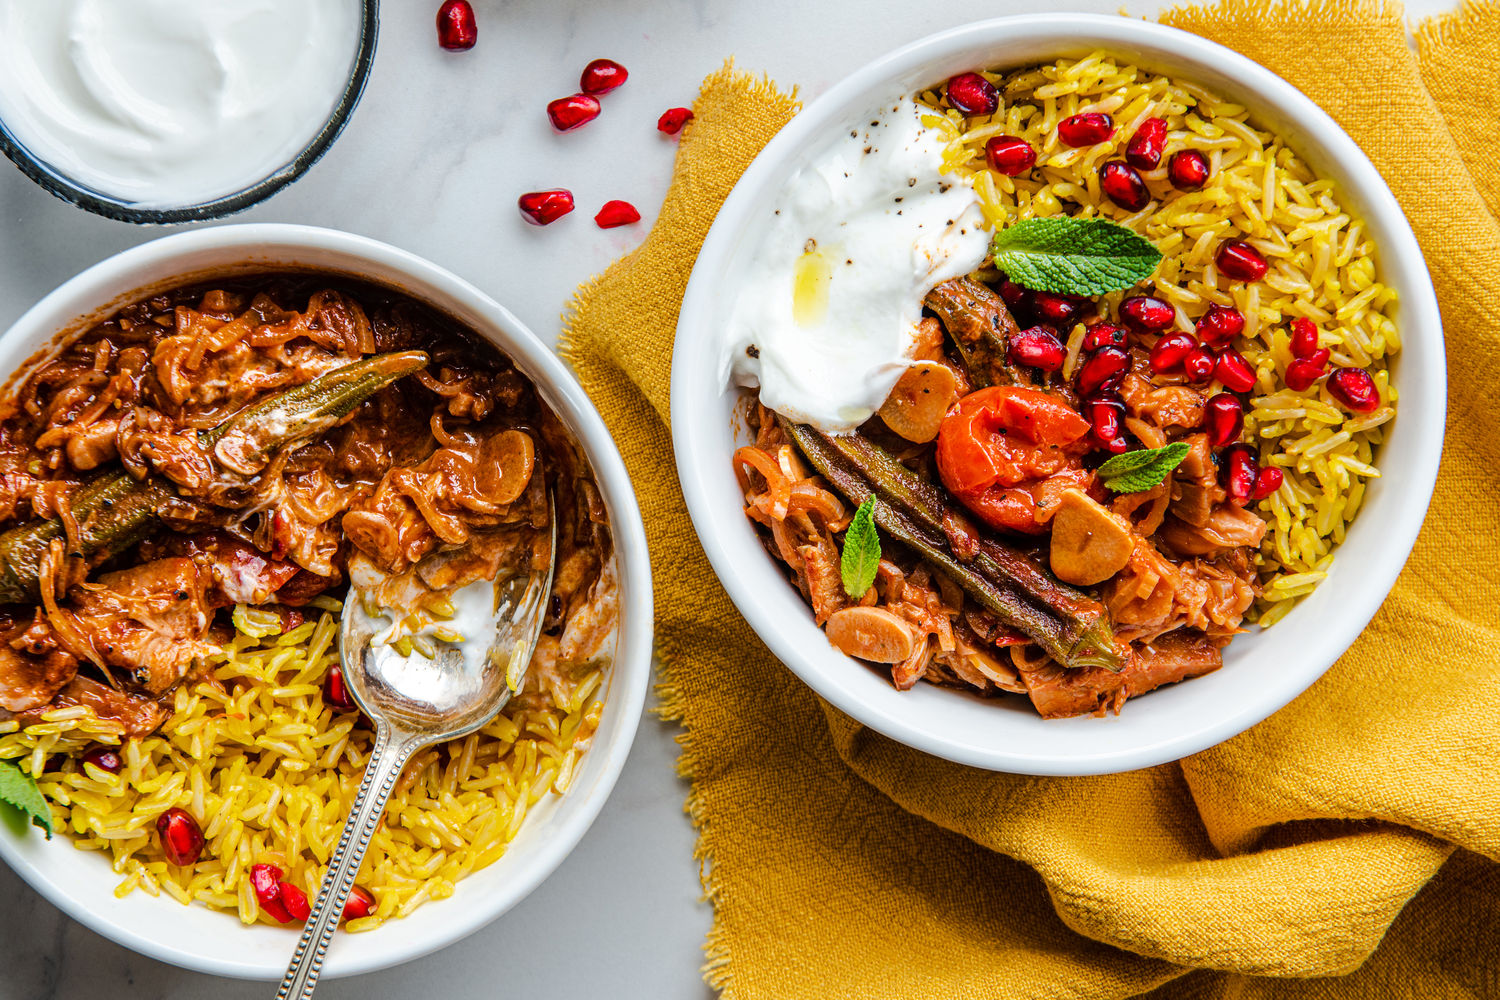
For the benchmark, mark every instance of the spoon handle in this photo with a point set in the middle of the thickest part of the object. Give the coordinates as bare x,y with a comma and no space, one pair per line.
381,771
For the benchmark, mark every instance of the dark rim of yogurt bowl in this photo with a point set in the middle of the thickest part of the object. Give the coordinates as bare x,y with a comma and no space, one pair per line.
62,186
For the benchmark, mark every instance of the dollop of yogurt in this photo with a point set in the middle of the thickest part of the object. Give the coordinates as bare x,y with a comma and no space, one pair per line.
825,321
164,103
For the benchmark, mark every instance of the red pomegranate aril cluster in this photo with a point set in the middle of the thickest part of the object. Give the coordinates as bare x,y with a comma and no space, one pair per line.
1124,186
334,690
1017,297
1233,371
1103,370
1088,129
1106,417
1170,351
1103,335
1199,365
542,208
573,111
972,95
181,837
601,76
1009,155
105,759
1187,170
1304,337
1219,325
616,213
1303,372
360,903
1223,419
1354,388
457,29
1241,261
1145,147
672,120
1146,313
266,881
1037,347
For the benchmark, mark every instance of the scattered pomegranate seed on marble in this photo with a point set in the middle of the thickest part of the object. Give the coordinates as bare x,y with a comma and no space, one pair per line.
457,29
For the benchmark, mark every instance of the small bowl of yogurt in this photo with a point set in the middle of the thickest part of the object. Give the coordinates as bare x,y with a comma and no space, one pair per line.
163,111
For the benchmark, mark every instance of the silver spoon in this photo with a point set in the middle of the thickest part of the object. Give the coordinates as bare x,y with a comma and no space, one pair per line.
415,702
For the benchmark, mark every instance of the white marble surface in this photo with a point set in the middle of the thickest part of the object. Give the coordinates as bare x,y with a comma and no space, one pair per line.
433,161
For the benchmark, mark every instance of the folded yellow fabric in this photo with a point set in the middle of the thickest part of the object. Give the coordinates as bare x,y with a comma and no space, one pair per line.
842,864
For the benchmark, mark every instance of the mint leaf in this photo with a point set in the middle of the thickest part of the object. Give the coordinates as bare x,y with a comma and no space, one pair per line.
1073,256
19,790
861,556
1135,471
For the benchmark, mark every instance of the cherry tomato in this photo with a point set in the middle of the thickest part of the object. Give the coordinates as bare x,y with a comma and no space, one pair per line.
1003,449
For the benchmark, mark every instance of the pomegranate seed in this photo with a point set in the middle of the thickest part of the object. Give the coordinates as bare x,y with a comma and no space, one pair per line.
615,214
295,901
1058,310
1198,366
1146,314
1167,355
1303,372
1241,261
1104,369
1304,337
1105,417
1009,155
359,904
1234,371
1037,347
601,76
1238,472
1017,297
105,759
266,881
1087,129
1145,147
181,837
1124,186
1223,418
1267,481
542,208
1219,325
1354,388
456,28
1188,170
334,690
971,95
672,120
573,111
1103,335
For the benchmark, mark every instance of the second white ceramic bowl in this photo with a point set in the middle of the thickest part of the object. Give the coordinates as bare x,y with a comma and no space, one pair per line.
1263,670
194,937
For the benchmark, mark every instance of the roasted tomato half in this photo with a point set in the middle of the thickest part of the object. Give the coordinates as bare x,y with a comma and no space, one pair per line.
1009,453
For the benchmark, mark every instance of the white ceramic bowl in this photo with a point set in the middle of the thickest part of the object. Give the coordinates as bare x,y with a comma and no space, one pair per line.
1262,670
194,937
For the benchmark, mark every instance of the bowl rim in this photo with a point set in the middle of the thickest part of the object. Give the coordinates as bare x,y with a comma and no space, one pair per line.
96,290
60,185
1051,31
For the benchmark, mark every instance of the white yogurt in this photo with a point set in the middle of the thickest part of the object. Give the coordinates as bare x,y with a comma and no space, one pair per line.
165,103
825,321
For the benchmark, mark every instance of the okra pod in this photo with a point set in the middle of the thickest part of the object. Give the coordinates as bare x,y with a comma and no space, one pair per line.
980,326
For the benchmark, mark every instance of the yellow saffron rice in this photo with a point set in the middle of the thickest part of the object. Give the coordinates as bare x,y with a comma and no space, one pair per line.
1322,263
270,770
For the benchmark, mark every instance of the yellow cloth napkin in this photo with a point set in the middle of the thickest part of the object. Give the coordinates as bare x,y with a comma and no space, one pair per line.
844,865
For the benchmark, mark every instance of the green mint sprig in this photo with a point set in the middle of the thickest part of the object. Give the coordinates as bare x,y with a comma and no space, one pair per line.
861,556
18,789
1135,471
1071,256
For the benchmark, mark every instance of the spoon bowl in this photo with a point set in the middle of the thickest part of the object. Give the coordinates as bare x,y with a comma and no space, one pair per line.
414,700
